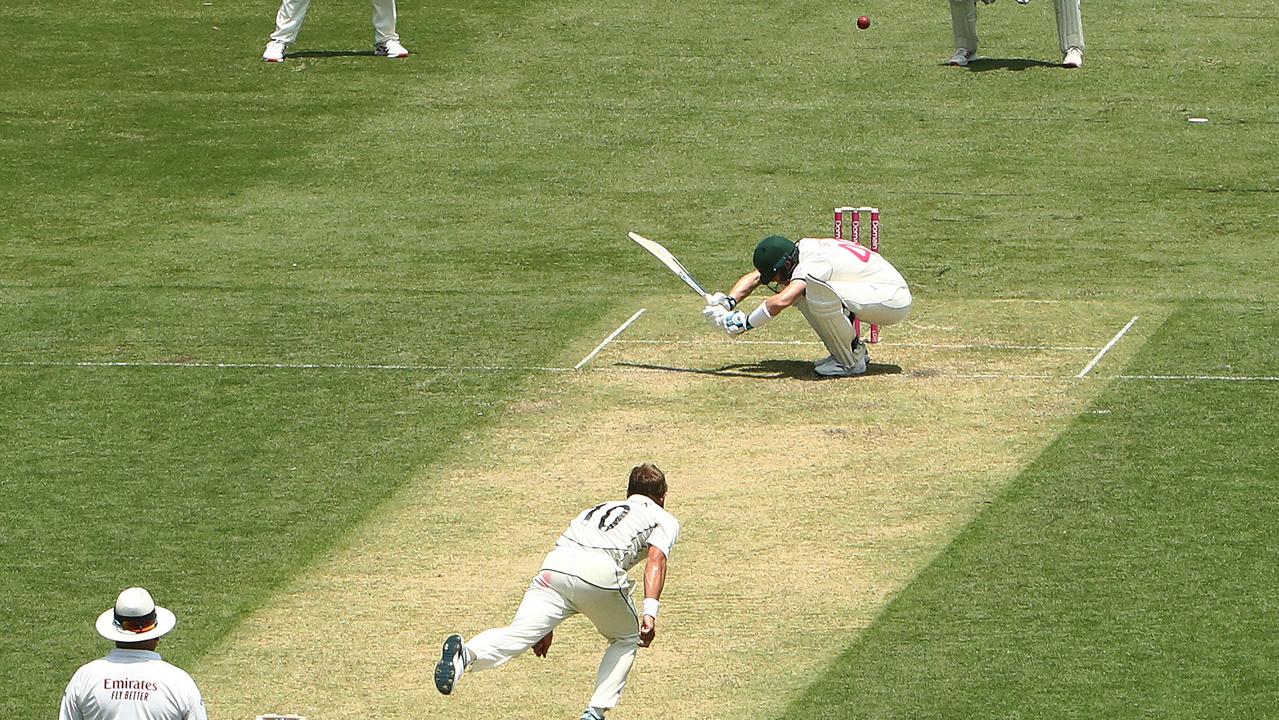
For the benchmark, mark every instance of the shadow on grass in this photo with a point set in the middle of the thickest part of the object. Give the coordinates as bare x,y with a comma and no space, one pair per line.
330,53
764,370
1016,64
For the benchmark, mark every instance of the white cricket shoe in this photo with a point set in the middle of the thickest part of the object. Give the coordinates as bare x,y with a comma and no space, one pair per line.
274,51
830,367
841,370
962,57
391,49
451,665
1074,58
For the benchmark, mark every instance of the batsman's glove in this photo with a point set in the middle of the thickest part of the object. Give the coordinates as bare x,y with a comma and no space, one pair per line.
736,323
714,315
725,301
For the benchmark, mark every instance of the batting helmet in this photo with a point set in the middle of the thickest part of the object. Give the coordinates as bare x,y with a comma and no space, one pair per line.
771,255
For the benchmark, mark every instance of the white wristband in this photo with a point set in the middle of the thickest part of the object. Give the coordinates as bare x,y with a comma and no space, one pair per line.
758,316
650,607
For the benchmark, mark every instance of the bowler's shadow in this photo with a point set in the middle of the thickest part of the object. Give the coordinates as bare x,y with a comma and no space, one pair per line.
766,370
1015,64
329,53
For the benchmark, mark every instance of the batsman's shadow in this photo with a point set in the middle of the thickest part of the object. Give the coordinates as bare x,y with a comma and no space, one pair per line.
764,370
1014,64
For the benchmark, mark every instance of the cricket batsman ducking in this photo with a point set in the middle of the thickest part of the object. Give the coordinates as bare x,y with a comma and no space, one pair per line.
832,282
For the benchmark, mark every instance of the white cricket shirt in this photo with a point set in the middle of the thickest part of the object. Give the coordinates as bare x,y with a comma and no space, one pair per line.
606,540
843,261
131,685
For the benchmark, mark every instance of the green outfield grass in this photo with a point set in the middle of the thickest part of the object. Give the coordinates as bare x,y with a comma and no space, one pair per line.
168,199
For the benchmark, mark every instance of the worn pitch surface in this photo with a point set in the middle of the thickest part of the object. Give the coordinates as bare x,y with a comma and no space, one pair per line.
785,555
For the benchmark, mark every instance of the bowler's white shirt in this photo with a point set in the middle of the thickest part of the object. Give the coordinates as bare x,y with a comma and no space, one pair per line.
842,261
606,540
131,685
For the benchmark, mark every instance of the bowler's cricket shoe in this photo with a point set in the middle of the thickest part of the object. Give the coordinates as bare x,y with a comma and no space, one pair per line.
274,52
962,57
391,49
1074,58
451,665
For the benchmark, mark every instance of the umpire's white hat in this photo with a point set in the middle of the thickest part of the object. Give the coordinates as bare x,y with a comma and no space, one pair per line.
135,618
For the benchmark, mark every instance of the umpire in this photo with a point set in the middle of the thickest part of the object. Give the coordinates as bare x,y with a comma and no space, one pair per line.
132,682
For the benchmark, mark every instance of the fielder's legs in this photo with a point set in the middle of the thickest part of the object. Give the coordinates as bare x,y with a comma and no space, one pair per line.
963,21
1070,25
288,21
384,22
541,611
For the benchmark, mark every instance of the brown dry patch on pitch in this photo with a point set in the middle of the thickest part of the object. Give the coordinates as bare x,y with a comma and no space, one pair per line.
806,504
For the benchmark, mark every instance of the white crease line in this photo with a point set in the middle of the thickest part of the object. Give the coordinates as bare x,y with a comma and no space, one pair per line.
609,339
285,366
1102,353
615,368
1204,378
935,346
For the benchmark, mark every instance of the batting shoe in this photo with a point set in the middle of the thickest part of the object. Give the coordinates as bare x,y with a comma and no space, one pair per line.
391,49
274,51
451,665
962,57
1074,58
830,365
838,369
835,368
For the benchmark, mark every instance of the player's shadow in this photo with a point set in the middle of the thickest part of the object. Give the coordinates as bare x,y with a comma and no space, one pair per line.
329,53
1015,64
765,370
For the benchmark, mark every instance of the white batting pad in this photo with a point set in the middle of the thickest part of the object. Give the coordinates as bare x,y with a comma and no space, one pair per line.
823,309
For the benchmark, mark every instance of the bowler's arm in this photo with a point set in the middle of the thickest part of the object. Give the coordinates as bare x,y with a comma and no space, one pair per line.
654,581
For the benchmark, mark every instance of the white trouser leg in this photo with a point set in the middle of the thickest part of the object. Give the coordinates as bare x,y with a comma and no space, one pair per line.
614,668
963,20
541,611
1070,24
551,598
614,615
876,304
288,21
384,21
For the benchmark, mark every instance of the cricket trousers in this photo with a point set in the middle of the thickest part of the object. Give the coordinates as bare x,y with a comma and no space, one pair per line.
1070,24
288,21
553,597
875,303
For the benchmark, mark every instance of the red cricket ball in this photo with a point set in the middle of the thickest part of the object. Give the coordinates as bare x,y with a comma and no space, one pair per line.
863,22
